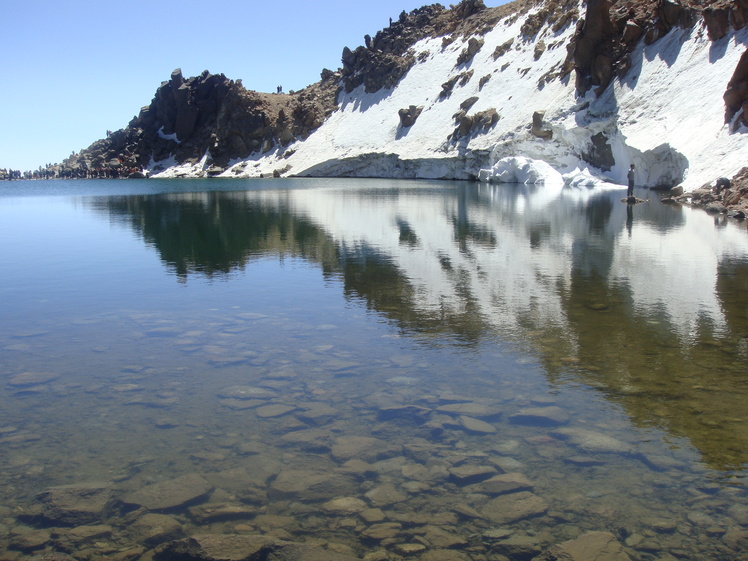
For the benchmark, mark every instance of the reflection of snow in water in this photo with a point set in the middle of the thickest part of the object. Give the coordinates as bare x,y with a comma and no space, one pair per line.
510,251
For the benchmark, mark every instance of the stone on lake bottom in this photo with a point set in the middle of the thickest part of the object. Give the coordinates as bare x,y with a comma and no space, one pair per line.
272,411
540,416
153,529
382,531
592,546
170,494
27,379
506,483
77,504
513,507
385,495
312,485
471,409
471,473
593,441
345,505
471,424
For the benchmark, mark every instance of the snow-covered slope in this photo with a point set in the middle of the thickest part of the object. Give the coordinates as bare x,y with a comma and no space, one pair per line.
666,115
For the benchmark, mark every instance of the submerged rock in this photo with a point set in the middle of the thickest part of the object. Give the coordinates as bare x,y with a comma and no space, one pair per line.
593,441
153,529
366,448
540,416
75,505
170,494
312,485
513,507
506,483
592,546
213,547
28,379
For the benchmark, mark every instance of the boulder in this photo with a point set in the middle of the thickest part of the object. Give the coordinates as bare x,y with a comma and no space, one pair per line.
409,116
538,129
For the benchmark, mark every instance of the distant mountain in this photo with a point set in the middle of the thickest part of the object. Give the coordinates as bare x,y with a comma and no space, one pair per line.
587,88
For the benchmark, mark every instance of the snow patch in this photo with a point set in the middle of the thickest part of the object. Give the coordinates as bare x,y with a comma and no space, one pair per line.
521,170
172,136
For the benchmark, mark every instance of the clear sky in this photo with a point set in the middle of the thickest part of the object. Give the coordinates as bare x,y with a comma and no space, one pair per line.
73,69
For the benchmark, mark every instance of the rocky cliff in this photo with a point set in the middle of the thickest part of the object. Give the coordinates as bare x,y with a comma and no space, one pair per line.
443,93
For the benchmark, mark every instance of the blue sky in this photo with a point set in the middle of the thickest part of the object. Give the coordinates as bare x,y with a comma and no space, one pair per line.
73,69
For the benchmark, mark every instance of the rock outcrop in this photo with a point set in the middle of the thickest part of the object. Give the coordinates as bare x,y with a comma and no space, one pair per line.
205,124
214,116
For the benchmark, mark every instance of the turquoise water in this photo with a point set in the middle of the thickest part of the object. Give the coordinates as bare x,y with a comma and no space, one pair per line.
399,344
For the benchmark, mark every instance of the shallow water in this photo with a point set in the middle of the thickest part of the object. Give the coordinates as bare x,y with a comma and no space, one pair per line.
397,342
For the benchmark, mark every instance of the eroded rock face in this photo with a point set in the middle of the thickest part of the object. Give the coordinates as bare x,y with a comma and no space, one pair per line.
188,118
736,96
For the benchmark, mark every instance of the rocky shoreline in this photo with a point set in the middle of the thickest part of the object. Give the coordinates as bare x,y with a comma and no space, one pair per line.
731,200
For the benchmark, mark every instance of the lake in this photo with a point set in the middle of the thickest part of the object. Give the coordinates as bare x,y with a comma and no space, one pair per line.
433,370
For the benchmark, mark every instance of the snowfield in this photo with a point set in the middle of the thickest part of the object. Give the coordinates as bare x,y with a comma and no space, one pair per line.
666,116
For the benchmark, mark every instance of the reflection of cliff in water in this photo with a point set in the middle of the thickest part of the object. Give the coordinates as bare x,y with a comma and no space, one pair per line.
216,233
648,306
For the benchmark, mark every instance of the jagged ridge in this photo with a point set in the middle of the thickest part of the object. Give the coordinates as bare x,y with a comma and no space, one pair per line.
218,117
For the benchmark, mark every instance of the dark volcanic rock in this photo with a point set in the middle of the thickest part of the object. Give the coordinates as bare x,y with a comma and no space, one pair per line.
736,96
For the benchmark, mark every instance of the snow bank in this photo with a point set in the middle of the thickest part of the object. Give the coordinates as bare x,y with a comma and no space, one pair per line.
521,170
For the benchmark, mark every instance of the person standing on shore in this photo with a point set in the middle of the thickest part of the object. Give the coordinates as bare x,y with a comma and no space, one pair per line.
630,175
